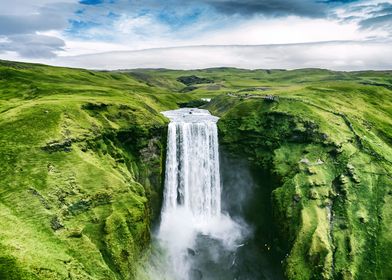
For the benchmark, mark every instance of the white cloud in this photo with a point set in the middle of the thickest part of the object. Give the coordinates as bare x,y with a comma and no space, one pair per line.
21,24
33,45
145,33
23,7
41,25
331,55
78,47
289,30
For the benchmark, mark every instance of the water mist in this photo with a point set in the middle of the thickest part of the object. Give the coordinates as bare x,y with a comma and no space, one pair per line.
199,239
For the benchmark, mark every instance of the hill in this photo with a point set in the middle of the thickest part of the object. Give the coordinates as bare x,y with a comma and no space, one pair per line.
82,157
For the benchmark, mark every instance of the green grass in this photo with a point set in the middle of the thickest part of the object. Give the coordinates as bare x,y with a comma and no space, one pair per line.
76,211
82,152
336,227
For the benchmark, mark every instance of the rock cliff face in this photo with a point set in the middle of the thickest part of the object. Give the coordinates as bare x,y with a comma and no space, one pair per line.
82,156
331,199
79,207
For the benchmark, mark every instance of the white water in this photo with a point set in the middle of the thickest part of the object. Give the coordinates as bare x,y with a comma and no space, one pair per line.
192,195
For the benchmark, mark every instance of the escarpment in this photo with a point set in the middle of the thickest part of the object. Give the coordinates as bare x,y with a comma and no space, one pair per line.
332,184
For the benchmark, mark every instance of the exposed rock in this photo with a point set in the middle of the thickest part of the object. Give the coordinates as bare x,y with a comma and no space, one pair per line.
151,152
75,233
316,182
271,98
41,198
313,194
304,161
350,167
352,173
327,202
296,198
50,168
356,179
58,146
343,179
343,184
311,170
79,207
55,223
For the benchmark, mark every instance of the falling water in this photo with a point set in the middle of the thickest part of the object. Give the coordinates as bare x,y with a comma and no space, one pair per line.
191,212
192,166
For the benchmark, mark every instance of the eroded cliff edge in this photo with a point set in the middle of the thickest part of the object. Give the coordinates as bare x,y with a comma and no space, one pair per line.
331,202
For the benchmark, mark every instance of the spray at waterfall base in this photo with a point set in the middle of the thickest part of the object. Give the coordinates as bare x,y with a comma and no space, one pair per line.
191,211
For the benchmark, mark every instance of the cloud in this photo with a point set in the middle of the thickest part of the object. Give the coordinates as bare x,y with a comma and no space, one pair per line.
382,9
23,7
377,17
291,30
33,45
68,27
383,22
122,20
24,24
23,27
331,55
307,8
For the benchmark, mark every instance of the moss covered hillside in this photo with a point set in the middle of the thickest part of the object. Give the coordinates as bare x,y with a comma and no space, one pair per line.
82,156
81,164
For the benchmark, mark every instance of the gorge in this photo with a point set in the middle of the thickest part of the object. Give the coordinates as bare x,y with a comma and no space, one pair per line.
200,238
304,163
192,227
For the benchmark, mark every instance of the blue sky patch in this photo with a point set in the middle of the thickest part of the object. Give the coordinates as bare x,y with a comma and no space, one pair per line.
91,2
113,16
175,20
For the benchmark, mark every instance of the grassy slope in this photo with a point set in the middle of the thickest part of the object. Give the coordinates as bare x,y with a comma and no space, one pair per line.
74,146
338,226
334,205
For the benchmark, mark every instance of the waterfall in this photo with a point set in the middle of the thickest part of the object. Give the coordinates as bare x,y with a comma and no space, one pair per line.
192,194
192,166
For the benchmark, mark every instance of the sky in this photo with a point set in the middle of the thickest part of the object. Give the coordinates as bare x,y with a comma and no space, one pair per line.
190,34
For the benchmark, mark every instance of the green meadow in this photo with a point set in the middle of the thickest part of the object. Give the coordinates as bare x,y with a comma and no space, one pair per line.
82,157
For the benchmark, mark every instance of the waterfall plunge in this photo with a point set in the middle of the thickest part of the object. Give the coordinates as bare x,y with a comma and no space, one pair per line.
192,167
192,194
